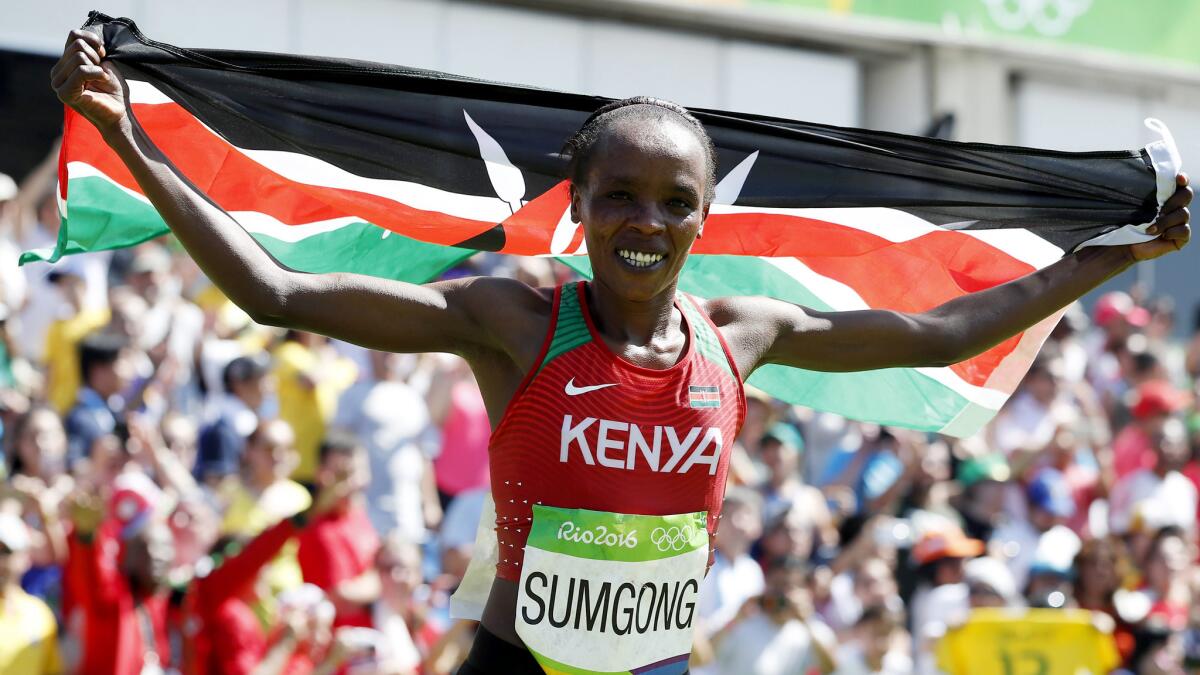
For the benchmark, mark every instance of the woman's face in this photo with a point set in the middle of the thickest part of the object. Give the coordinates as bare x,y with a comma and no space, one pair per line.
43,443
641,204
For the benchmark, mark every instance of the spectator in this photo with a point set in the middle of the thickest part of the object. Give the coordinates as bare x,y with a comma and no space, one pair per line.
734,577
264,496
457,408
1048,506
222,440
1153,404
1100,569
878,645
1165,591
393,422
941,597
984,482
309,377
171,327
402,613
990,584
120,567
778,634
1161,495
779,451
337,550
104,364
64,334
30,634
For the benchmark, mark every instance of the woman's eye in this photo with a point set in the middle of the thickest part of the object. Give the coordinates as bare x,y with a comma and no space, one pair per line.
618,195
680,203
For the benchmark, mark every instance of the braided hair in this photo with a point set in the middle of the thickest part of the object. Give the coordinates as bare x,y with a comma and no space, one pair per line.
579,147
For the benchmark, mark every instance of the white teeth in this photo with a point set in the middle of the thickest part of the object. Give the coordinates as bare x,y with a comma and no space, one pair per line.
639,258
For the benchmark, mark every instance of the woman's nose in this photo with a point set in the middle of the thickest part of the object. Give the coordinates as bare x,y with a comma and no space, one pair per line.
648,218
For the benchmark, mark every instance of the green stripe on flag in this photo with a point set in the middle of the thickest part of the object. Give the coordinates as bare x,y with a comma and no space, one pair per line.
102,215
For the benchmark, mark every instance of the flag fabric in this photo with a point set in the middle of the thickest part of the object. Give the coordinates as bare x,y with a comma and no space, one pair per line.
339,165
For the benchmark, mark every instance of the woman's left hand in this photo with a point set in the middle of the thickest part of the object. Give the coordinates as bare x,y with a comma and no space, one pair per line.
1171,226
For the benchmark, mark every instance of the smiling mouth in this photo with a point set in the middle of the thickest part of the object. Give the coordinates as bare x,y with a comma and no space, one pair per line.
640,259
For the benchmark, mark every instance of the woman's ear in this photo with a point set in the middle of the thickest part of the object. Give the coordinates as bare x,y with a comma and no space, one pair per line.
574,194
703,219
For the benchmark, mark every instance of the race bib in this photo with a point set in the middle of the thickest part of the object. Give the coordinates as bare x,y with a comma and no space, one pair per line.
610,592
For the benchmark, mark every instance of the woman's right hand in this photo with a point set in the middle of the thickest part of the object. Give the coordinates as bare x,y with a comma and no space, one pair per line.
92,87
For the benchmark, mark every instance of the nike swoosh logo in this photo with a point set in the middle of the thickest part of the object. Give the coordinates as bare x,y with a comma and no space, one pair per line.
572,390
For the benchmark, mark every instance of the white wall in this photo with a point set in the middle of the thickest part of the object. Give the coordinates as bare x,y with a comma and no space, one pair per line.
496,42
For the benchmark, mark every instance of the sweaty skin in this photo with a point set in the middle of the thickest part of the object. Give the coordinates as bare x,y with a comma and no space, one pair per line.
644,193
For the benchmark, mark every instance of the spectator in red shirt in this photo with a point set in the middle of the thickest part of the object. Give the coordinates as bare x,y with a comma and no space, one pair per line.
121,566
337,549
224,634
1153,404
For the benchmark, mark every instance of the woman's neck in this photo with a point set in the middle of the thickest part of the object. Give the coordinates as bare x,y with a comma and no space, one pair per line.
632,322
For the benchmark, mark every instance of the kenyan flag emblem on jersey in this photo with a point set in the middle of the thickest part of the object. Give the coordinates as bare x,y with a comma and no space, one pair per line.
704,397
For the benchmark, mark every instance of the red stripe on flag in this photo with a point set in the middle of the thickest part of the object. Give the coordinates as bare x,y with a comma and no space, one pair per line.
908,276
238,183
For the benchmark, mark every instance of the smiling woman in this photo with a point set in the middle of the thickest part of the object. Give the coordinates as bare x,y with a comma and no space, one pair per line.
612,403
646,161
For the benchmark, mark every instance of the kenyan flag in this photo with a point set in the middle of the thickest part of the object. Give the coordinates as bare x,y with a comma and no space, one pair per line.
337,165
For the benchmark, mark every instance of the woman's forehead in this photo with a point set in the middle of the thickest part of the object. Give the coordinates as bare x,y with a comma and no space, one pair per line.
648,141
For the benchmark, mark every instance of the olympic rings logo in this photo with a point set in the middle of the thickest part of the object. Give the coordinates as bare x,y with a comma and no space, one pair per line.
1051,18
671,538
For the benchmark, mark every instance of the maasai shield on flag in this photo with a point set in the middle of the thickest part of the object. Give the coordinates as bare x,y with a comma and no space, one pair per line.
339,165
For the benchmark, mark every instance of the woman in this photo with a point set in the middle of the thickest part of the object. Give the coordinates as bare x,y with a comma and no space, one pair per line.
645,382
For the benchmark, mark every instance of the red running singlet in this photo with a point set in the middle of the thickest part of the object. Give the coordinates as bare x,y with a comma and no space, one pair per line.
587,429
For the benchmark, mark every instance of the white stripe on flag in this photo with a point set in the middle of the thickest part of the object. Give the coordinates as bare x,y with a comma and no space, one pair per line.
899,226
842,297
313,171
253,221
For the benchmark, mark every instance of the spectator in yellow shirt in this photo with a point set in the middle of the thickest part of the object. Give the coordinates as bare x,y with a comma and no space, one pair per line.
310,376
264,496
63,337
28,633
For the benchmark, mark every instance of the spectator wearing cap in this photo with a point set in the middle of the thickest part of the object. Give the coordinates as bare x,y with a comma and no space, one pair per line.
28,632
941,597
106,370
1049,503
118,569
779,451
990,584
1153,404
223,440
337,550
63,335
981,503
783,490
1118,317
1158,496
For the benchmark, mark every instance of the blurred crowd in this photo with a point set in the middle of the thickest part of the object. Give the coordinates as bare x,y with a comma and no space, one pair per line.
186,491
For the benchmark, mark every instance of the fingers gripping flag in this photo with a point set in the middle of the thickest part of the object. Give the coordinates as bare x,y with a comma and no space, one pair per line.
337,165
